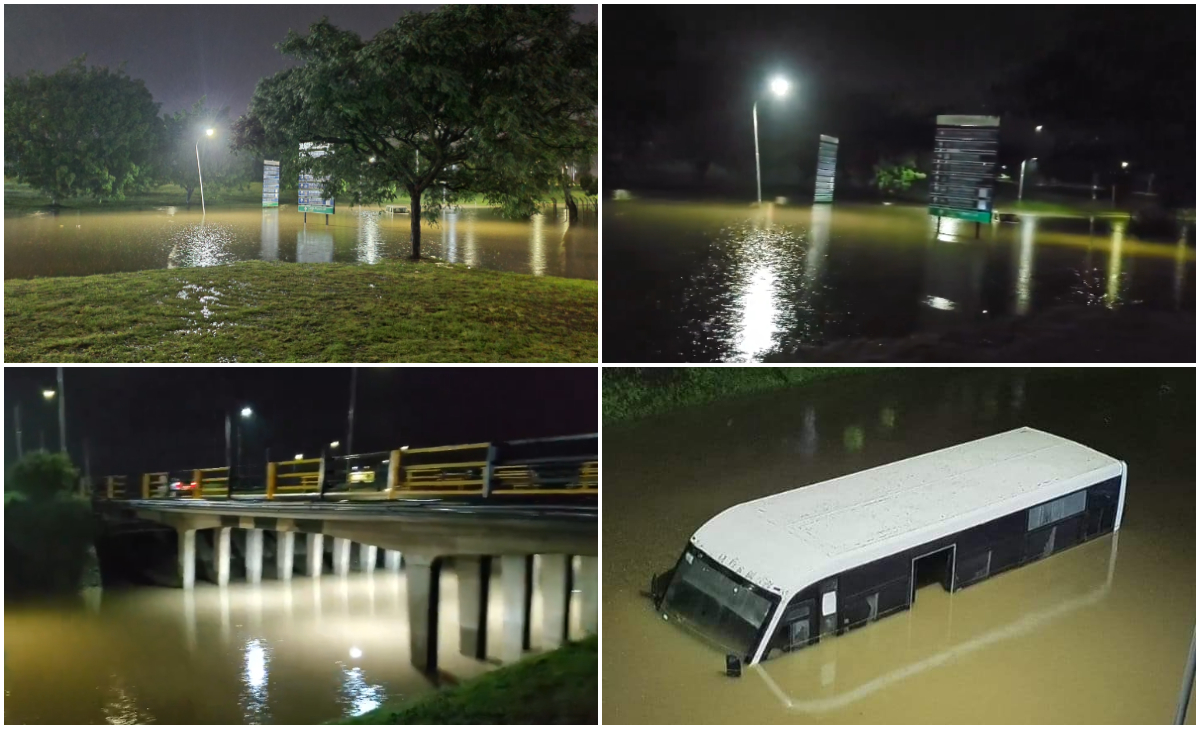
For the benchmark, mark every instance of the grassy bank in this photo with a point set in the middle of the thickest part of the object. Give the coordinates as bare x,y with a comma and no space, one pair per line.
555,688
283,312
636,392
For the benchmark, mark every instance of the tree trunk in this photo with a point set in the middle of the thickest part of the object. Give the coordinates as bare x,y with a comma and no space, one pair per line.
189,196
414,214
572,210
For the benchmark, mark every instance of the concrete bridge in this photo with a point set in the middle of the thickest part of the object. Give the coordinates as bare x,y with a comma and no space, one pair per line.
418,519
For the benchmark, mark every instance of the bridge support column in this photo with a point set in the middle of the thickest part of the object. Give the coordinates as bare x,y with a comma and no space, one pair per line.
474,575
515,594
187,557
316,554
589,590
368,554
254,555
554,582
221,553
285,554
391,560
422,578
341,557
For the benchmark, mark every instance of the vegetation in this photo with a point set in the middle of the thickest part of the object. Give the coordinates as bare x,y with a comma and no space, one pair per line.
184,135
492,99
80,131
560,687
635,392
893,176
47,528
280,312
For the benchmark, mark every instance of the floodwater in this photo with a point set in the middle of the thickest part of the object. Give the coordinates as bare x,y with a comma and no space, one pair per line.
303,653
697,283
85,243
1097,634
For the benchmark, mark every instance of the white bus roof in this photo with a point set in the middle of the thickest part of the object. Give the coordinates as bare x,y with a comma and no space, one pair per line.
791,540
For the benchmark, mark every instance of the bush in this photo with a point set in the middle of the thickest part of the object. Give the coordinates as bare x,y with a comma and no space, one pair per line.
48,529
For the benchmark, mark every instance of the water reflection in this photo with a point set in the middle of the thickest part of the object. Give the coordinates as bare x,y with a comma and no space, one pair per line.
253,699
1112,294
203,244
270,235
358,695
537,245
314,246
1024,277
121,706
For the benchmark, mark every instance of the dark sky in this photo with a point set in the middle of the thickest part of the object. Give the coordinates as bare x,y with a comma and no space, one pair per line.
183,52
139,419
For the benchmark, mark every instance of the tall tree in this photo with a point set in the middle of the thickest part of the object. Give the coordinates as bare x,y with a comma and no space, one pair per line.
489,99
80,131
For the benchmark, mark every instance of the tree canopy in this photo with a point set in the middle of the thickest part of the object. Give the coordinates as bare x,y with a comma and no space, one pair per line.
495,99
80,131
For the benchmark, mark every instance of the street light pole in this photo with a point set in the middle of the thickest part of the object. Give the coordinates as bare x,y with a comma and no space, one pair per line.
757,165
200,174
350,417
62,414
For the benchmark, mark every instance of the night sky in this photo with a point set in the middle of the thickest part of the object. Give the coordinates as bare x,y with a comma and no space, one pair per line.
183,52
139,419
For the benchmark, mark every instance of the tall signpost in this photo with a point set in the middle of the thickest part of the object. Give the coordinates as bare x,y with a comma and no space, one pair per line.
310,200
270,183
826,167
964,168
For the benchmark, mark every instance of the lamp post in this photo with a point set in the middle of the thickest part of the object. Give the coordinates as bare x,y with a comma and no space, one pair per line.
1021,184
207,132
779,87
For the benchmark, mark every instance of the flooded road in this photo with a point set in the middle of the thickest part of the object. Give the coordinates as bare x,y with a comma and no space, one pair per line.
270,654
85,243
1096,634
699,283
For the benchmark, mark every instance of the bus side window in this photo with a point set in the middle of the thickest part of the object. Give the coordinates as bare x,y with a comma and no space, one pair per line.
795,627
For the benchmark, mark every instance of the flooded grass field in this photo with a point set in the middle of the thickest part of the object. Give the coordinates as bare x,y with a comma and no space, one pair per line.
1096,634
84,243
705,283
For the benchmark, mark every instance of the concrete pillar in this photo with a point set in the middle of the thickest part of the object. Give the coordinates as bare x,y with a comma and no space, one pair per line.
285,554
221,553
589,589
514,593
316,554
187,557
341,557
554,582
254,555
391,560
474,575
422,582
367,556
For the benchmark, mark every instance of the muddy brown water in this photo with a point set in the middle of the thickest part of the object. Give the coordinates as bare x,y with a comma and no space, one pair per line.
304,653
1096,634
694,282
85,243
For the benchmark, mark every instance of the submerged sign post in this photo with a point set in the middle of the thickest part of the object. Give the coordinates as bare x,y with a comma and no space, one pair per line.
826,167
964,167
270,183
309,199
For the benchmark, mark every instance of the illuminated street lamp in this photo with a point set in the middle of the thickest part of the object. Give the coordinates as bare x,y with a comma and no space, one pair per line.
1038,128
335,444
299,456
49,394
1021,184
209,133
779,87
247,412
1124,165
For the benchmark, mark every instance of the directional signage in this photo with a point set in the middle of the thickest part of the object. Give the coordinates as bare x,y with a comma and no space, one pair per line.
964,167
826,166
310,200
270,183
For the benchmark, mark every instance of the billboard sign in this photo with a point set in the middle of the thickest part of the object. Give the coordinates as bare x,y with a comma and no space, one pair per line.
309,198
270,196
826,168
964,167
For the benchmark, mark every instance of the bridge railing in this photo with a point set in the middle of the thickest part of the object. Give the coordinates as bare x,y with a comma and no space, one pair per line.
210,483
156,485
461,470
299,476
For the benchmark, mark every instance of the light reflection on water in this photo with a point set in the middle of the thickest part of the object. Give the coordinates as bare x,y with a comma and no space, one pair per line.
76,244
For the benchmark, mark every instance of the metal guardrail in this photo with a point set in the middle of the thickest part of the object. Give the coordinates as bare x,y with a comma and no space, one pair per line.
547,466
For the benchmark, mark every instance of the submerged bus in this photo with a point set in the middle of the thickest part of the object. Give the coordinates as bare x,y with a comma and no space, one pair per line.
779,573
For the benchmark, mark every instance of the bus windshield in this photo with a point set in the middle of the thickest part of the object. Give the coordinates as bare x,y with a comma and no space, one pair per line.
724,608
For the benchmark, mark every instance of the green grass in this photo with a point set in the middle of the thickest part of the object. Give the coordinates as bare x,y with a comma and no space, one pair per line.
559,687
294,312
630,393
1082,207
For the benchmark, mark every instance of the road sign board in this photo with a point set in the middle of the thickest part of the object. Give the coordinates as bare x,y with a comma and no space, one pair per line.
270,191
309,199
826,169
964,167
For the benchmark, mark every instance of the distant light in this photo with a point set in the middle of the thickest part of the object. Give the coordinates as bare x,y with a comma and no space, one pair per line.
209,132
779,86
1038,128
49,394
247,412
372,160
335,444
938,302
1004,167
1124,165
299,456
1033,159
355,653
403,448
